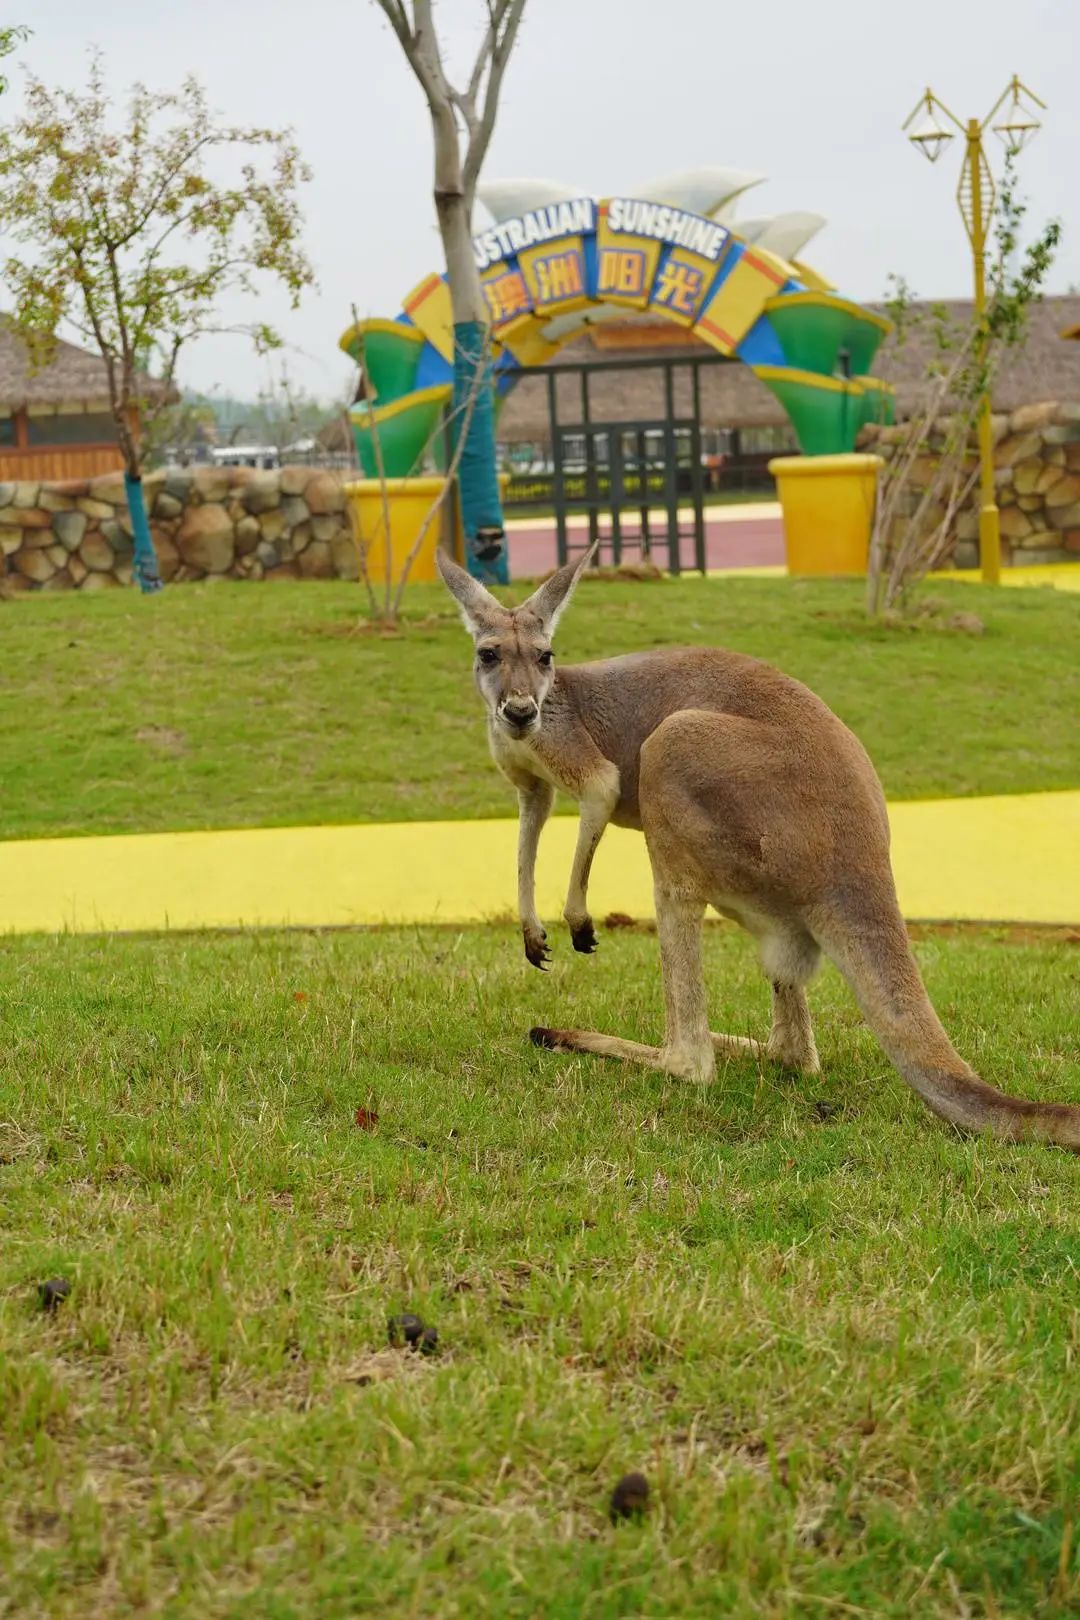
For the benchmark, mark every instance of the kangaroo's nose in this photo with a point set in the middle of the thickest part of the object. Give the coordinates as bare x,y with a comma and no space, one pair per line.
520,711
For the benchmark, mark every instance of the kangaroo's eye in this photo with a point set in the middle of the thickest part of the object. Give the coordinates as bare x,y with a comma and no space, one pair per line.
545,658
488,655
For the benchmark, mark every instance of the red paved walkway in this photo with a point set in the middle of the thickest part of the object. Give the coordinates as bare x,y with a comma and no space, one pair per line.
750,542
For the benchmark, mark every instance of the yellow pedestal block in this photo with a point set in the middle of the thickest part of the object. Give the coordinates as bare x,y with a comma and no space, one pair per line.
408,501
828,504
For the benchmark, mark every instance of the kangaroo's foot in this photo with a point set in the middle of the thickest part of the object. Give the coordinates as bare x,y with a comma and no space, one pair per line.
582,933
804,1059
536,945
683,1064
791,1039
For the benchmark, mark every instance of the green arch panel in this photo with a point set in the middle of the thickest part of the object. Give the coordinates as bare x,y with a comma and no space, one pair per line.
813,327
406,427
389,352
826,412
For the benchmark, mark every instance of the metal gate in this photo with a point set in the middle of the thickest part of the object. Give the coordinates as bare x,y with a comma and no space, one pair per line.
639,484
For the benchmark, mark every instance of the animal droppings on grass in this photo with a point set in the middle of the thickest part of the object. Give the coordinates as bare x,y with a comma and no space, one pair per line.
366,1119
405,1329
630,1498
824,1109
53,1292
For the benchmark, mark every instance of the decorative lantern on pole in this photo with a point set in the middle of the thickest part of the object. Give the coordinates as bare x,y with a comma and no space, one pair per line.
927,128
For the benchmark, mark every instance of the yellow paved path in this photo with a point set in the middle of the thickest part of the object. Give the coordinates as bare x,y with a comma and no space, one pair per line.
1006,859
1063,576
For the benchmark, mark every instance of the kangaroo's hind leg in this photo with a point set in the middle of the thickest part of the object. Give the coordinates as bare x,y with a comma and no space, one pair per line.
705,780
790,957
687,1051
791,1038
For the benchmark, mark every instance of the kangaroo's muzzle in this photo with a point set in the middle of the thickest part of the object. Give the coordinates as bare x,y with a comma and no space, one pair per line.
519,715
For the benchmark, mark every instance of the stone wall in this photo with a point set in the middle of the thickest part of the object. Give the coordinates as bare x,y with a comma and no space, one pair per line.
211,522
1037,479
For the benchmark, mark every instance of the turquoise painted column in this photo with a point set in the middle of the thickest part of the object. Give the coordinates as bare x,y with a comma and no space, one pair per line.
481,509
147,574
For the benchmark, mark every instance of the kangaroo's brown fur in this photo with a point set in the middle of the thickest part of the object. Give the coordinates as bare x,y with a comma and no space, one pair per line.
753,798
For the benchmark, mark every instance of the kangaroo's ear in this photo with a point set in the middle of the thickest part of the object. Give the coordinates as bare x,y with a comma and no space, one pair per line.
479,609
549,602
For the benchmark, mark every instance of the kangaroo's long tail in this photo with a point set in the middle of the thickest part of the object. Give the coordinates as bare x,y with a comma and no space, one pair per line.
873,954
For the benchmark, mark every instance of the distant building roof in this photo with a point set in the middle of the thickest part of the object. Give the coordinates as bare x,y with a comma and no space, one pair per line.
74,377
731,396
1042,367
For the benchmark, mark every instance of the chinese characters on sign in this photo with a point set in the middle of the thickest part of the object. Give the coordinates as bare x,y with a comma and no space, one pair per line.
559,259
507,296
621,273
556,259
559,276
678,287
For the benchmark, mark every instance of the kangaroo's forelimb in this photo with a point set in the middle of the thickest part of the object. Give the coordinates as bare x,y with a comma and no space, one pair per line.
598,800
535,799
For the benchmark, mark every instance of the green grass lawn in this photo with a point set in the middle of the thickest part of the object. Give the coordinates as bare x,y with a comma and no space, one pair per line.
842,1345
841,1342
229,705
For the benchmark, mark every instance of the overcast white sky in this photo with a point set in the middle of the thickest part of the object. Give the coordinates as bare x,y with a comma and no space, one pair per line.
603,94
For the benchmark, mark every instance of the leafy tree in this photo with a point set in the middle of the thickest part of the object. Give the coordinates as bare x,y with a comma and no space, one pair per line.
132,240
10,38
468,114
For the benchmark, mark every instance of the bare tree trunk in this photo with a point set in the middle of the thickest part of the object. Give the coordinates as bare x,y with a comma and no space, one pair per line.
454,212
144,557
452,112
454,204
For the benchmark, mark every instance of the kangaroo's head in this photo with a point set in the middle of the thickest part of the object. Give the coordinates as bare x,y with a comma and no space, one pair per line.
515,667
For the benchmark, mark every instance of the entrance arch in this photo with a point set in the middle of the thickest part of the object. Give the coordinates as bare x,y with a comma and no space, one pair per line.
555,261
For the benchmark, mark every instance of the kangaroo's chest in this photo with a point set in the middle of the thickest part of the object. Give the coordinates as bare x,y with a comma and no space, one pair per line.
528,757
582,773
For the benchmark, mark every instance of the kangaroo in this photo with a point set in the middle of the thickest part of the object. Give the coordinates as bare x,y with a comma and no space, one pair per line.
754,798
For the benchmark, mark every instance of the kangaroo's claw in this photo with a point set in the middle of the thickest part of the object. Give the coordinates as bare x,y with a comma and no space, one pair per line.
536,950
583,937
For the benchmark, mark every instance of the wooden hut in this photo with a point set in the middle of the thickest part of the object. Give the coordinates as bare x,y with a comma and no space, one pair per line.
1042,368
55,422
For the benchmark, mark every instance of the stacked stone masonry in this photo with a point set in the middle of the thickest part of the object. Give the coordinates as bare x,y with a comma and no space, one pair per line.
207,523
1036,477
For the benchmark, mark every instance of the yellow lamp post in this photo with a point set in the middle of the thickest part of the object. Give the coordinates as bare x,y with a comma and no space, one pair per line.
975,195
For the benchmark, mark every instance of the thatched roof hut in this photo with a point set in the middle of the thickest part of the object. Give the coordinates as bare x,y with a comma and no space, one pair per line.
55,421
1043,368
